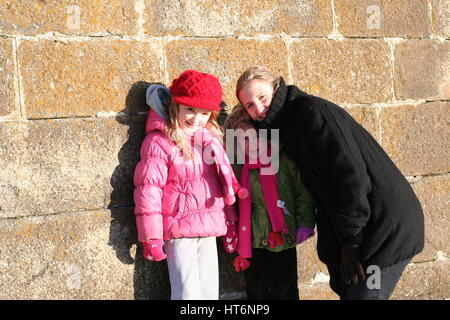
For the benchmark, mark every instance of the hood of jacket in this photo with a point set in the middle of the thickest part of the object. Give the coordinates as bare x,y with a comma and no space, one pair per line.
157,96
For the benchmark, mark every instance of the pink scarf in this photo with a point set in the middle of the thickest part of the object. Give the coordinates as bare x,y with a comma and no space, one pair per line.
269,184
213,152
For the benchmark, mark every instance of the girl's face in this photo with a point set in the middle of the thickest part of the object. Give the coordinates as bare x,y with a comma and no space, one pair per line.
192,119
256,97
246,146
252,145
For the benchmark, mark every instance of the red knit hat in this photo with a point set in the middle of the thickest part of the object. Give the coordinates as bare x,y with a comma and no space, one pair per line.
197,89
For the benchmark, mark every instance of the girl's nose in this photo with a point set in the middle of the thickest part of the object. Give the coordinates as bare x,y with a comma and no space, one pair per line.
198,118
259,107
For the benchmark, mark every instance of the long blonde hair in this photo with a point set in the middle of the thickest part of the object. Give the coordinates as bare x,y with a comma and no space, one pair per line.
177,135
257,73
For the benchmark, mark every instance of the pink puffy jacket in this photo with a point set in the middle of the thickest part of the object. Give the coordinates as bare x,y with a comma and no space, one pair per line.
175,197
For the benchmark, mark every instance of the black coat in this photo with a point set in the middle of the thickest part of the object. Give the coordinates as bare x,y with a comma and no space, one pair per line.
357,187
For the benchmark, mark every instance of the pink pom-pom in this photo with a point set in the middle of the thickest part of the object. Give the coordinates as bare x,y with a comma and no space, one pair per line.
242,193
240,264
229,199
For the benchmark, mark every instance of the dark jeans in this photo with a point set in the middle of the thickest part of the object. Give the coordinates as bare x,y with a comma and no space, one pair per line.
389,278
272,275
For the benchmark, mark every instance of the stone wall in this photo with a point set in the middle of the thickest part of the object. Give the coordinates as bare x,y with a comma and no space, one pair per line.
72,113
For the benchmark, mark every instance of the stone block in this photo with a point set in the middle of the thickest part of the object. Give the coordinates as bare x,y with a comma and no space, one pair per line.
368,118
308,263
353,71
73,78
54,166
7,78
318,291
424,281
368,18
225,18
440,13
422,70
63,257
434,195
226,59
416,137
68,17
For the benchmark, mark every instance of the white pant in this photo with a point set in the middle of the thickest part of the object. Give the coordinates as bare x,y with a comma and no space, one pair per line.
193,268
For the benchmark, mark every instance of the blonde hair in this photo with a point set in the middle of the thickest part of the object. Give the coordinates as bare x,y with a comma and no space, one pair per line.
176,134
257,73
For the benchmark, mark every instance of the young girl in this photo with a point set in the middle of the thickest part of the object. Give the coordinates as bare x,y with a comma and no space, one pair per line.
183,199
278,214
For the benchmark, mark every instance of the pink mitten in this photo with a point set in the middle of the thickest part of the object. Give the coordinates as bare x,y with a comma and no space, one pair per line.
303,233
153,250
230,240
240,264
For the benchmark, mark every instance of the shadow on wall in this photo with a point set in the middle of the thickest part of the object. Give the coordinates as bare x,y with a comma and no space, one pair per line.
151,279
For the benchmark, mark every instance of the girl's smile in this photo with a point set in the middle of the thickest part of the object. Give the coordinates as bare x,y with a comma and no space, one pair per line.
256,97
191,119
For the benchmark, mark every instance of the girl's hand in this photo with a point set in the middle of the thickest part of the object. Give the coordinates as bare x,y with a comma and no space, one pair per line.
230,240
303,234
153,250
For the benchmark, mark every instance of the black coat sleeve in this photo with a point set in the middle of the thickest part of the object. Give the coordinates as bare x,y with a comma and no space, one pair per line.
331,130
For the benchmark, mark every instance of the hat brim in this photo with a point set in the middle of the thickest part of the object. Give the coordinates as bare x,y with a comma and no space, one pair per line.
198,103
